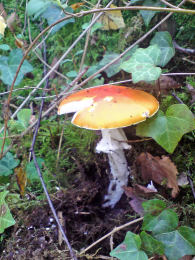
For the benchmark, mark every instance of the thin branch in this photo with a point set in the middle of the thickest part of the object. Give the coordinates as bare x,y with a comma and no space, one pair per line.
87,39
185,50
177,98
128,49
116,229
38,168
167,3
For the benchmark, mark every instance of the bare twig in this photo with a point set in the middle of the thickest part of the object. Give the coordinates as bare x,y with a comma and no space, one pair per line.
87,39
177,98
129,48
39,171
185,50
167,3
116,229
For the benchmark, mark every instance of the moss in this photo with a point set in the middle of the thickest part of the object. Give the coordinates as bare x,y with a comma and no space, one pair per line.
77,147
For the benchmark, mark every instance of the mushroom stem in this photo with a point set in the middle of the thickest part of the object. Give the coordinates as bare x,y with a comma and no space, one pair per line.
113,143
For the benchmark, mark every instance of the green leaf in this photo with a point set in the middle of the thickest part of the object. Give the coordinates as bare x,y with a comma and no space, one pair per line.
72,74
166,221
164,41
6,219
23,121
178,243
9,65
24,117
37,7
54,13
150,245
143,63
168,129
148,15
31,170
4,47
95,27
7,164
153,207
129,248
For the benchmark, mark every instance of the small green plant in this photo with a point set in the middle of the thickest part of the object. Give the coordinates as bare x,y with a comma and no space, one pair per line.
161,235
6,219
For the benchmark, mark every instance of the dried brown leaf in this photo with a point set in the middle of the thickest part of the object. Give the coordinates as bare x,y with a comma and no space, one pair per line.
137,194
162,171
12,21
136,205
21,179
186,257
163,85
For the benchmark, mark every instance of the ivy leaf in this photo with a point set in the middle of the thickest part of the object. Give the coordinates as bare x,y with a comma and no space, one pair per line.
4,47
24,116
7,164
150,245
143,63
166,221
168,129
153,207
148,15
9,65
164,41
37,7
54,13
6,219
23,121
178,243
129,248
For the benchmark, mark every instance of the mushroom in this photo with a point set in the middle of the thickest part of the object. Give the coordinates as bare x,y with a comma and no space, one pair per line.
109,108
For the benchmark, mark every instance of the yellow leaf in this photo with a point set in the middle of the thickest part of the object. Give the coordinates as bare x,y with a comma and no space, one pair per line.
112,20
76,5
21,179
2,25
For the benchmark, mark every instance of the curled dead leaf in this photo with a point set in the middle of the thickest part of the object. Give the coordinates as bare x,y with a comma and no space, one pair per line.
138,194
21,178
163,85
76,5
160,170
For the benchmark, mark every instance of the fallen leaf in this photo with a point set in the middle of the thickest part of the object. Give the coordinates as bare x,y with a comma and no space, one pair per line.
2,25
163,85
136,205
160,170
186,257
76,5
112,20
138,193
21,179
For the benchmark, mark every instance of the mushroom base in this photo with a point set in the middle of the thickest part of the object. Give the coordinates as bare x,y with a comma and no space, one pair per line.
113,143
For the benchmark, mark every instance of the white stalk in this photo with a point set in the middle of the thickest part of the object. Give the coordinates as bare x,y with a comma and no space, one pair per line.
113,143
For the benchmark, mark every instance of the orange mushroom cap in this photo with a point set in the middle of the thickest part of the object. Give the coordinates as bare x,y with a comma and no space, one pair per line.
109,107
